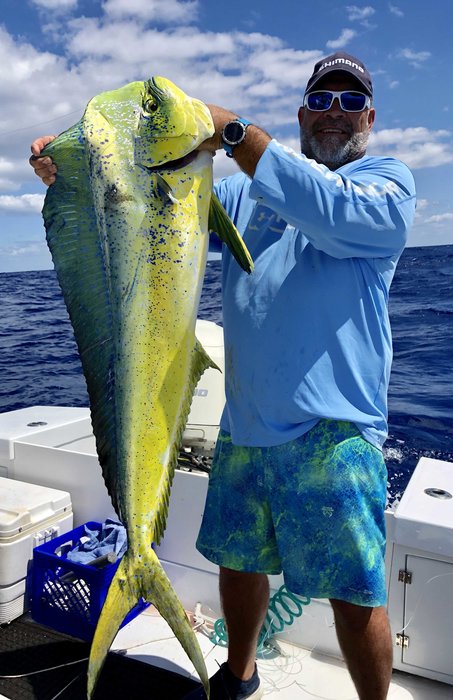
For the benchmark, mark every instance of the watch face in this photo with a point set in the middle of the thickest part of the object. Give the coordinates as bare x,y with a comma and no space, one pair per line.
233,132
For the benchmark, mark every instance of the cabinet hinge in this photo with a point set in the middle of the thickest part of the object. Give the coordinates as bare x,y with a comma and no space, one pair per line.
405,576
401,640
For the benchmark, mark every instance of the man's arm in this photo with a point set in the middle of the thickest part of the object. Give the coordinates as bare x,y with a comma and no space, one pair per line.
363,209
248,153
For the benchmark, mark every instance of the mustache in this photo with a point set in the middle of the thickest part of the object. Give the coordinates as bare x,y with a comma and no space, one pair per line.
334,123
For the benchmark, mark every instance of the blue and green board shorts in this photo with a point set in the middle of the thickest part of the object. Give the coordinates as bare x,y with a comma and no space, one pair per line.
312,508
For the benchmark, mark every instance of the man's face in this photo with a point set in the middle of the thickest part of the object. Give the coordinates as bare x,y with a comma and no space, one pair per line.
335,137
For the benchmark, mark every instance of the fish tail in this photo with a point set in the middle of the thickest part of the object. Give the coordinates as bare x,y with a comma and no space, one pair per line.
164,598
134,579
118,603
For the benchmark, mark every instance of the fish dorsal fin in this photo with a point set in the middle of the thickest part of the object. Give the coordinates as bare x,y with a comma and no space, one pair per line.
221,224
200,362
80,264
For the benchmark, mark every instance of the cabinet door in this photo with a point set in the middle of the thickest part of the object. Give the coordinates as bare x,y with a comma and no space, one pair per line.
428,615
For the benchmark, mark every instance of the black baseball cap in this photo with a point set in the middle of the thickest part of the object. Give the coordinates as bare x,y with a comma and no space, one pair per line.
341,62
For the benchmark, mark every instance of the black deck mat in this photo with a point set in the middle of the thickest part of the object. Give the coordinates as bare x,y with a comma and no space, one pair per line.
26,646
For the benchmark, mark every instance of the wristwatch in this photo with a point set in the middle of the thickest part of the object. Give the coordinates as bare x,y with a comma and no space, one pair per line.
233,134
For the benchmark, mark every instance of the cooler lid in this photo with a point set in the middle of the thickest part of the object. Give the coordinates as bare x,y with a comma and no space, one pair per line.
24,506
424,516
20,424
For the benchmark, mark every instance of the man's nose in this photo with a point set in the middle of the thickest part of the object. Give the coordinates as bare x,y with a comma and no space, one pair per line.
335,106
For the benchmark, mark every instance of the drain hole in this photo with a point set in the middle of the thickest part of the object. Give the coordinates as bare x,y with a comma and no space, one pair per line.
438,493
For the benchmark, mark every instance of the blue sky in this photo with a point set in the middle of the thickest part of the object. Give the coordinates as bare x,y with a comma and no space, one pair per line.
254,58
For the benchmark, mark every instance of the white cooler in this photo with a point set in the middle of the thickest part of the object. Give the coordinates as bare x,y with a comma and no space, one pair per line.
29,516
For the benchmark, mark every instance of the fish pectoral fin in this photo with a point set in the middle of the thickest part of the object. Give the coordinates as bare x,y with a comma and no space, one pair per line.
221,224
142,577
164,189
203,360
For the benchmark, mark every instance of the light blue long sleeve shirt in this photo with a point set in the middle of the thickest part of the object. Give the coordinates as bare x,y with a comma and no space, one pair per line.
307,334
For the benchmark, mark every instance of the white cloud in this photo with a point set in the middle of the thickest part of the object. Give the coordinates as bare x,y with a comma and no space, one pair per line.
359,13
6,166
128,43
21,62
12,171
409,136
395,10
439,218
345,37
34,85
55,4
418,147
224,166
26,249
153,10
415,58
21,204
430,229
251,21
421,205
285,66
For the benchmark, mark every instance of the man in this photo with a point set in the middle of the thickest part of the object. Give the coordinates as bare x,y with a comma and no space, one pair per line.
298,482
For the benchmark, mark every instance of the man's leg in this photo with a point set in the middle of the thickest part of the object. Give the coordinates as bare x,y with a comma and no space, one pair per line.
365,640
245,598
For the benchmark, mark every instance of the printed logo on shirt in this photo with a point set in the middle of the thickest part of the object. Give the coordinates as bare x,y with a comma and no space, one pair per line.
264,218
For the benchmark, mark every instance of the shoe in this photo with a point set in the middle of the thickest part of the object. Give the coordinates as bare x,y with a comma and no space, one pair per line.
225,686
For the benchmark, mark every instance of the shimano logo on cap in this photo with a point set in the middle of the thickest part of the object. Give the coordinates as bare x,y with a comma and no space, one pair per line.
344,61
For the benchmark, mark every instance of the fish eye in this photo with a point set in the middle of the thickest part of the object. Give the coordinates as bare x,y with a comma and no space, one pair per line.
150,105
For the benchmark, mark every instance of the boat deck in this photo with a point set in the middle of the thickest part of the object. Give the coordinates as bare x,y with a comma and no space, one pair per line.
288,672
291,673
294,674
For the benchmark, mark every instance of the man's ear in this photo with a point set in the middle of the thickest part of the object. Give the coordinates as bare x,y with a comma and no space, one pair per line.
300,115
371,117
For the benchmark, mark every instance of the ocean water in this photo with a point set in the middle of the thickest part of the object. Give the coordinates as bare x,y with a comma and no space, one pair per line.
39,362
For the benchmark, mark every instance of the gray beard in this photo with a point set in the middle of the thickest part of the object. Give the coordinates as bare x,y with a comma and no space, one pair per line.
330,152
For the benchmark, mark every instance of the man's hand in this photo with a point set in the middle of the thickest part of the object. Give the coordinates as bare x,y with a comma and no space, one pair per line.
220,117
43,167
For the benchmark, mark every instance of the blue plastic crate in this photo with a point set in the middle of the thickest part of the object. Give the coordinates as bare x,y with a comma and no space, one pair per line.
69,596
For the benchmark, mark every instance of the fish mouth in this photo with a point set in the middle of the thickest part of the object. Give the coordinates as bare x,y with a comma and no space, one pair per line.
175,164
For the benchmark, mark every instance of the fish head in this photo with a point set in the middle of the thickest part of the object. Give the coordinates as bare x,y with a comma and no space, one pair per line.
171,124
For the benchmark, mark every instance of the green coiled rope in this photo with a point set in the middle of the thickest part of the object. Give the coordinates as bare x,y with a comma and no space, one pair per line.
284,608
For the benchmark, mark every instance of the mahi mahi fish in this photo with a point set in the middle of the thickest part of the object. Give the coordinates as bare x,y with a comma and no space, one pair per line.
127,224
